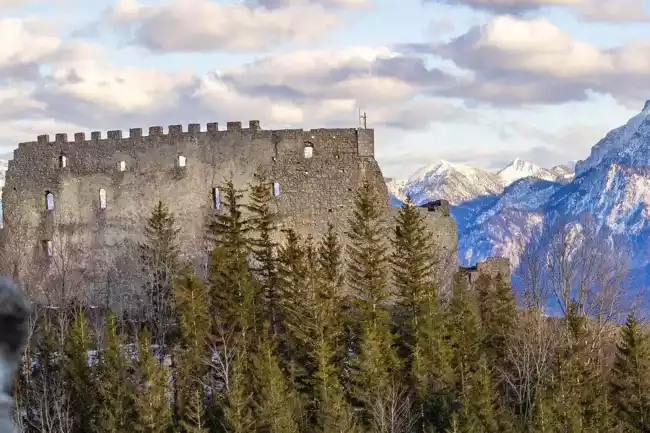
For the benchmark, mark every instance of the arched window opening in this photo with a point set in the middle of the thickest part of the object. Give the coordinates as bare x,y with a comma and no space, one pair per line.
102,198
216,199
276,189
49,201
63,161
181,161
49,249
309,150
122,166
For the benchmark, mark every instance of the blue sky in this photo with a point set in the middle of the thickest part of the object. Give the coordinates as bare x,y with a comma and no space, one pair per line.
468,81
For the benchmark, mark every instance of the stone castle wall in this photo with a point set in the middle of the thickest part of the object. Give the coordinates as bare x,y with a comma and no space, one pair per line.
491,267
316,172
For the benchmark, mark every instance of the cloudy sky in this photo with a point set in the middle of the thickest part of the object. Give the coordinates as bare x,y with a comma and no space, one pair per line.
470,81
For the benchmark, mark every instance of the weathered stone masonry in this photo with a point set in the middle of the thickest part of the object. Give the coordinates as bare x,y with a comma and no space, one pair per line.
101,190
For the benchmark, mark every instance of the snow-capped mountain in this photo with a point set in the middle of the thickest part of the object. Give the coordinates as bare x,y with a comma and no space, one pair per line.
612,185
454,182
520,169
461,184
626,145
492,209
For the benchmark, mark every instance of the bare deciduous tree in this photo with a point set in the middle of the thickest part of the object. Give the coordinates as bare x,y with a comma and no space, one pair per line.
529,355
395,411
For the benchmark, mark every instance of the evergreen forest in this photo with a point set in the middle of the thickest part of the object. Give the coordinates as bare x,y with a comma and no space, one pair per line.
326,335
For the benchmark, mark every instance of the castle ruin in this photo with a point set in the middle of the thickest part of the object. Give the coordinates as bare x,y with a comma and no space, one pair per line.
91,197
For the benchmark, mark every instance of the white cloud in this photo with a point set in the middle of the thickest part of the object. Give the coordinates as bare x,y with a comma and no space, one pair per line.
10,4
593,10
70,85
23,42
126,90
299,89
202,25
540,46
516,60
327,3
16,102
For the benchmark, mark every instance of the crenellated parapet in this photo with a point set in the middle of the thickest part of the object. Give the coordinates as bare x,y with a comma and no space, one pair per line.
356,141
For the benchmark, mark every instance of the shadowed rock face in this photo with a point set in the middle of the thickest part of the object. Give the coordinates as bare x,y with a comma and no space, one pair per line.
14,312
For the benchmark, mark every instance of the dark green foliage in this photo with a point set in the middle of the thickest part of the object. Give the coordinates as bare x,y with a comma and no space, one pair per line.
417,320
367,273
229,227
191,300
159,260
298,335
152,408
263,228
114,385
81,376
631,381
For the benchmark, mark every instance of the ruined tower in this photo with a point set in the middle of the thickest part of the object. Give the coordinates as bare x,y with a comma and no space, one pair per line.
91,197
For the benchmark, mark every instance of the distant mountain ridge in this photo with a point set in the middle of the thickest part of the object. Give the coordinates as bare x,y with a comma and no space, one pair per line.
497,211
459,183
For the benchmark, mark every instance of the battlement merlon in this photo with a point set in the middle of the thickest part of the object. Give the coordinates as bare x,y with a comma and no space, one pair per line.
364,137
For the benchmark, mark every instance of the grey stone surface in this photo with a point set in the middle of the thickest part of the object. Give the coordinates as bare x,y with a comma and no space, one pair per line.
492,266
313,191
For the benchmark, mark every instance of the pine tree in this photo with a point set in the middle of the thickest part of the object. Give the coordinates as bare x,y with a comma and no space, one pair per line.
412,267
297,296
238,411
574,375
264,248
81,376
152,406
229,227
159,257
277,403
367,273
471,378
631,381
236,297
113,384
237,307
333,412
194,420
498,314
191,300
376,363
419,324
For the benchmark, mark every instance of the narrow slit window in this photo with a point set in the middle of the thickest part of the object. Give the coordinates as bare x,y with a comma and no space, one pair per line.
216,198
309,150
276,189
102,198
49,200
63,161
122,166
49,249
181,161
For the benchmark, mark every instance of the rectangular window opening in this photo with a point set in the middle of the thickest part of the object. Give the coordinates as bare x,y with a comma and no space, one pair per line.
49,201
216,199
122,165
276,189
49,249
102,198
